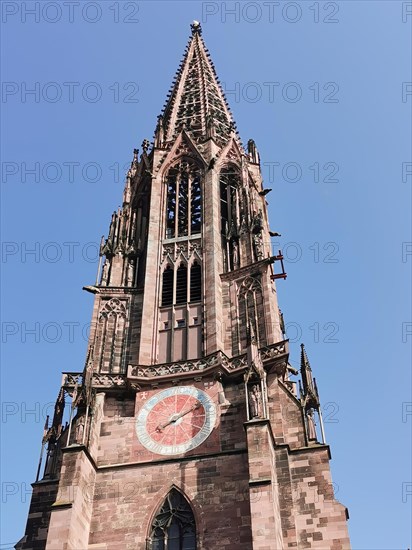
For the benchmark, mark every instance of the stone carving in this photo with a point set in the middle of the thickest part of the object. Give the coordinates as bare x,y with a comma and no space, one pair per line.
159,135
72,380
257,224
235,255
105,380
113,307
258,247
311,425
233,364
79,430
49,469
255,401
130,273
210,126
105,272
145,145
187,252
252,151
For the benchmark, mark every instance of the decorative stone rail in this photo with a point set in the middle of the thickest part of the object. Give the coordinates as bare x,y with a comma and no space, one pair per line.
218,362
273,357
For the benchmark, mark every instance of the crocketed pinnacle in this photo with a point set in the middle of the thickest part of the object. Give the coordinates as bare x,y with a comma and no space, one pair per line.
310,390
196,101
304,361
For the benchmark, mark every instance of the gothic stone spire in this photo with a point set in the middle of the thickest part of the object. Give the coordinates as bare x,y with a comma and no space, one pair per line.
196,101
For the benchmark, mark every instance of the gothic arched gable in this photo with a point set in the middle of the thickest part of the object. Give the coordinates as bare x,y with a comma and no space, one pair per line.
183,149
231,153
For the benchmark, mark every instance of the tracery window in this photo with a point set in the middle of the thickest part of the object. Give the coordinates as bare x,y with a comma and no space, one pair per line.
111,330
173,527
229,216
184,201
229,181
251,312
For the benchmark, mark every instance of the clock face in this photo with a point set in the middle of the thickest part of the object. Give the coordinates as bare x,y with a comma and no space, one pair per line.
175,420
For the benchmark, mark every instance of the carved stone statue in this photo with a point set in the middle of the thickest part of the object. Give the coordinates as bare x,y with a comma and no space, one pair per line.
311,425
235,255
210,126
50,460
159,136
255,402
79,430
130,273
145,145
258,222
105,272
258,246
282,322
243,224
252,150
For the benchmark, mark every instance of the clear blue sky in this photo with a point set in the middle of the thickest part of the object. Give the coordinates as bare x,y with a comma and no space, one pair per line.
324,102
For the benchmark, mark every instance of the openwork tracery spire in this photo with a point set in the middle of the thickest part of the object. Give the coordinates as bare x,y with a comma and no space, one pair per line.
196,101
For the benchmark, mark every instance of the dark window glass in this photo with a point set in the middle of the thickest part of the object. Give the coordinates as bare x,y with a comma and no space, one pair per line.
224,212
229,179
181,285
195,283
167,289
196,206
171,205
183,198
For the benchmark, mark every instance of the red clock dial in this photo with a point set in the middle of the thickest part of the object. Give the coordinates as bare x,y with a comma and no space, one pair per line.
175,420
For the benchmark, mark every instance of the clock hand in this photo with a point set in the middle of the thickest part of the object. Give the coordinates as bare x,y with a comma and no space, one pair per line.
187,411
175,417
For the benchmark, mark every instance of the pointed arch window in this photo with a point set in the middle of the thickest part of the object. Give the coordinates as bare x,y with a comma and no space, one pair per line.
229,216
167,288
184,200
173,527
181,284
195,282
196,206
229,183
251,312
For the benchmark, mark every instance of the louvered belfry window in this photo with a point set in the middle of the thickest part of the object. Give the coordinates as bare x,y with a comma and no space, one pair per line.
184,200
167,289
195,282
181,284
173,527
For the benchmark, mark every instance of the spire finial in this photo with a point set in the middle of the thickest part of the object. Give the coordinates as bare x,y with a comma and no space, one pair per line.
196,28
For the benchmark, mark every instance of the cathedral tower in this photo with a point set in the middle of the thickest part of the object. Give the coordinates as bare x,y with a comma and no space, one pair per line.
185,429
